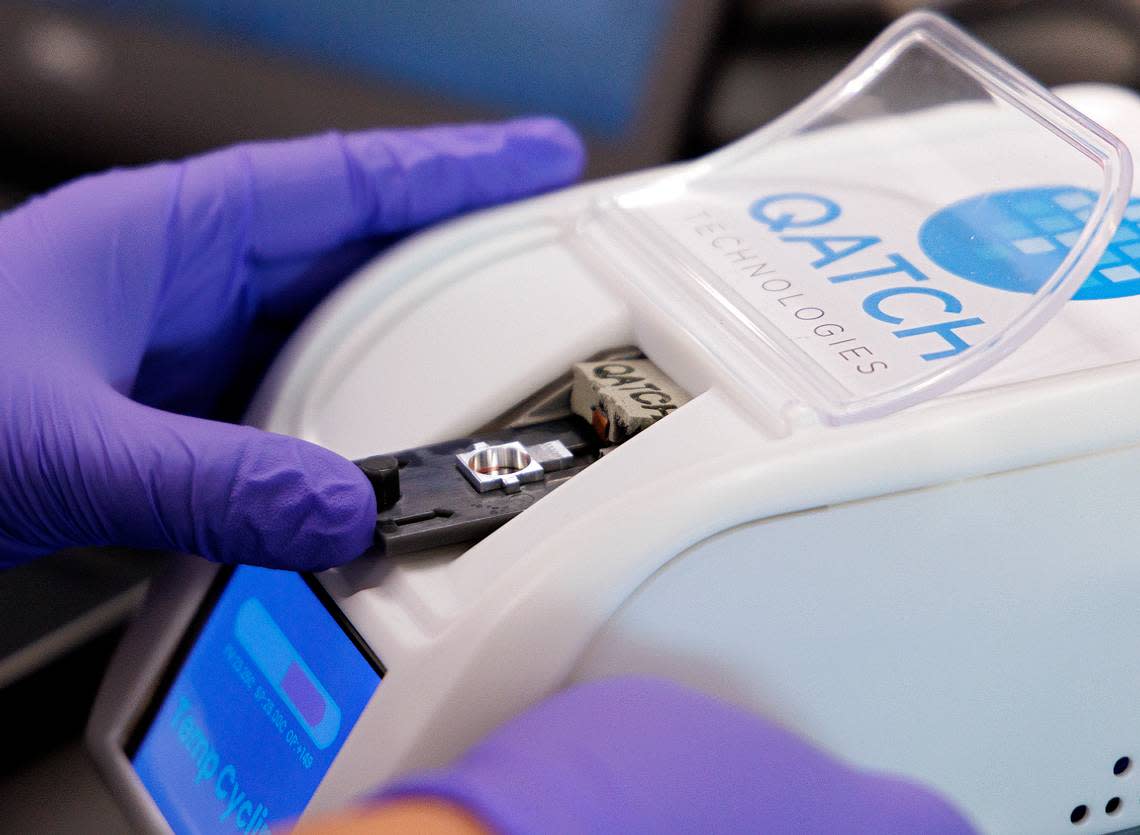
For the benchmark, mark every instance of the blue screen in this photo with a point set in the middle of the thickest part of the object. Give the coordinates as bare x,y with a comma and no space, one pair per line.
588,61
258,710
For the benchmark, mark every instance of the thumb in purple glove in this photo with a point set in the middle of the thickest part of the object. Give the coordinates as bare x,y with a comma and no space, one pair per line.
133,291
643,755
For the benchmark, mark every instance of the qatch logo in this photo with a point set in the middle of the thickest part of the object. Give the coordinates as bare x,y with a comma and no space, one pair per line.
1015,240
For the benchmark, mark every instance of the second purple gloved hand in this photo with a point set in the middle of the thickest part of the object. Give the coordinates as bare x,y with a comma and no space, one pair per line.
645,755
133,292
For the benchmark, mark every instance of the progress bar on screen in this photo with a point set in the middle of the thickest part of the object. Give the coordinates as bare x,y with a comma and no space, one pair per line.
280,663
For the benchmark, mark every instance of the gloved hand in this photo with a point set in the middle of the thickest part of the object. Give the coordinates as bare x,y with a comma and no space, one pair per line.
134,291
642,755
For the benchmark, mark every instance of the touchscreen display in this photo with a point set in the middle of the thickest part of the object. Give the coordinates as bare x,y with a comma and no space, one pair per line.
261,704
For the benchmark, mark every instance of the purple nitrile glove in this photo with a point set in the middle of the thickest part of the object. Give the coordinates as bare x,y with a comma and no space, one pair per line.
644,755
135,291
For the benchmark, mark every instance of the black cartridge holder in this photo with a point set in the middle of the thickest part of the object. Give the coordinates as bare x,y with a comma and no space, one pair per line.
426,499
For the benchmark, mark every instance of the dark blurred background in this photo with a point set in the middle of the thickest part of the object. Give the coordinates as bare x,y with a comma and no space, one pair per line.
89,84
85,84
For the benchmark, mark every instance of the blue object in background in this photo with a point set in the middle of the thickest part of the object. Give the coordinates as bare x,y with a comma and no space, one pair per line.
587,61
1015,240
258,711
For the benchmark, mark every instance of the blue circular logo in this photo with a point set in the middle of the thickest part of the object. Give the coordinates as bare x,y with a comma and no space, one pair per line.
1015,240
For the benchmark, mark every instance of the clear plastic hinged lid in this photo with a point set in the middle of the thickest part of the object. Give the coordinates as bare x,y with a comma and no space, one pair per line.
903,229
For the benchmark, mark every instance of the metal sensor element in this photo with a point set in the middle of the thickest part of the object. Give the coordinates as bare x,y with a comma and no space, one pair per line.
552,455
509,466
461,490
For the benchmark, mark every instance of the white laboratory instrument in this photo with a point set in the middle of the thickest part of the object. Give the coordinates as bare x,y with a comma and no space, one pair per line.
897,515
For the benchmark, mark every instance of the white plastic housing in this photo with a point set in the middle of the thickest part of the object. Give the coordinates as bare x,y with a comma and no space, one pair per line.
947,592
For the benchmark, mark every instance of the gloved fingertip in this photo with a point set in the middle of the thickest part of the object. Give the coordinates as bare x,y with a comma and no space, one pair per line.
297,506
557,149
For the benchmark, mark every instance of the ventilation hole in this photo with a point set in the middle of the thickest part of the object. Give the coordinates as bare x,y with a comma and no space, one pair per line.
1112,807
1079,814
1121,766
